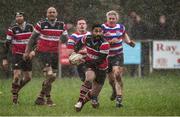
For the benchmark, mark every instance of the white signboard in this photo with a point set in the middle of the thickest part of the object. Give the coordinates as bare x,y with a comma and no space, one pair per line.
166,54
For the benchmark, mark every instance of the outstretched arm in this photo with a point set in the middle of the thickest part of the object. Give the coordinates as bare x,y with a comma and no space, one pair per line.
128,40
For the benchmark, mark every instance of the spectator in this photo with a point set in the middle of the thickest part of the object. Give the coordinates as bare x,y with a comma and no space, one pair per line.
129,22
162,29
139,31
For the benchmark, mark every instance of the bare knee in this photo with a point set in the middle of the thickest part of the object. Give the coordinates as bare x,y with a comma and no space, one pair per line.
90,75
16,76
51,76
118,71
27,76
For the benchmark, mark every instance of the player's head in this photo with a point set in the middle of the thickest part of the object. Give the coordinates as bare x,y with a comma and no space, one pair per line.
81,25
112,17
19,17
162,19
97,31
51,13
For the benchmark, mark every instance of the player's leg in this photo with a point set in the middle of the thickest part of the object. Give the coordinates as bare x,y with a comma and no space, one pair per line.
117,70
46,88
50,63
97,86
15,85
27,73
85,89
81,72
16,64
51,76
43,62
112,84
111,78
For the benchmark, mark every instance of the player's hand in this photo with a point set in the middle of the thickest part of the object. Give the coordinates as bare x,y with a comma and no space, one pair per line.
132,44
26,56
32,54
114,40
82,61
83,51
5,63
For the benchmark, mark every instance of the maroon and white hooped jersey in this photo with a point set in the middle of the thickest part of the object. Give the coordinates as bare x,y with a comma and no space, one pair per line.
49,35
19,37
97,51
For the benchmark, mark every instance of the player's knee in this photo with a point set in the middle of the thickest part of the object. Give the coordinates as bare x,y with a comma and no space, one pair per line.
16,77
118,72
111,78
51,77
90,75
119,79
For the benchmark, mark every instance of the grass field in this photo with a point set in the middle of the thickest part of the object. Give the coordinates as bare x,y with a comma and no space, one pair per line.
154,95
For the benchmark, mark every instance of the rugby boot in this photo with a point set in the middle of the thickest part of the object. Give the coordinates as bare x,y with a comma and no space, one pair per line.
40,101
118,101
78,106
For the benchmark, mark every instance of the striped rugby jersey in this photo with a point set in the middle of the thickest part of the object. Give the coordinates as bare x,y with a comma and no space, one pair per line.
19,37
49,35
75,38
97,51
118,32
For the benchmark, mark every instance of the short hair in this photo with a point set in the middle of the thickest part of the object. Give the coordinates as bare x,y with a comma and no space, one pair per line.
19,13
80,18
97,25
112,12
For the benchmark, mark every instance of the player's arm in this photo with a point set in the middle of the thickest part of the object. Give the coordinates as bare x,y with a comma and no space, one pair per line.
70,44
9,37
128,40
5,52
79,45
64,36
31,44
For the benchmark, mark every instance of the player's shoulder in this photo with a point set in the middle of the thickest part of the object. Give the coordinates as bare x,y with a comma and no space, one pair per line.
121,26
88,37
104,25
42,20
88,33
13,25
59,21
29,24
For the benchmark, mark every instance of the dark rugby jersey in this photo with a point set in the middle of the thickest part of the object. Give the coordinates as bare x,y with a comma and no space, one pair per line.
97,51
19,37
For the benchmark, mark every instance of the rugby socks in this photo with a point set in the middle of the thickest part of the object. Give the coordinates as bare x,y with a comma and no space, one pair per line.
84,90
87,97
15,89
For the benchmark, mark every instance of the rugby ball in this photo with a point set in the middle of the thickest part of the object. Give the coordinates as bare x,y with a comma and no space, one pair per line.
76,58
